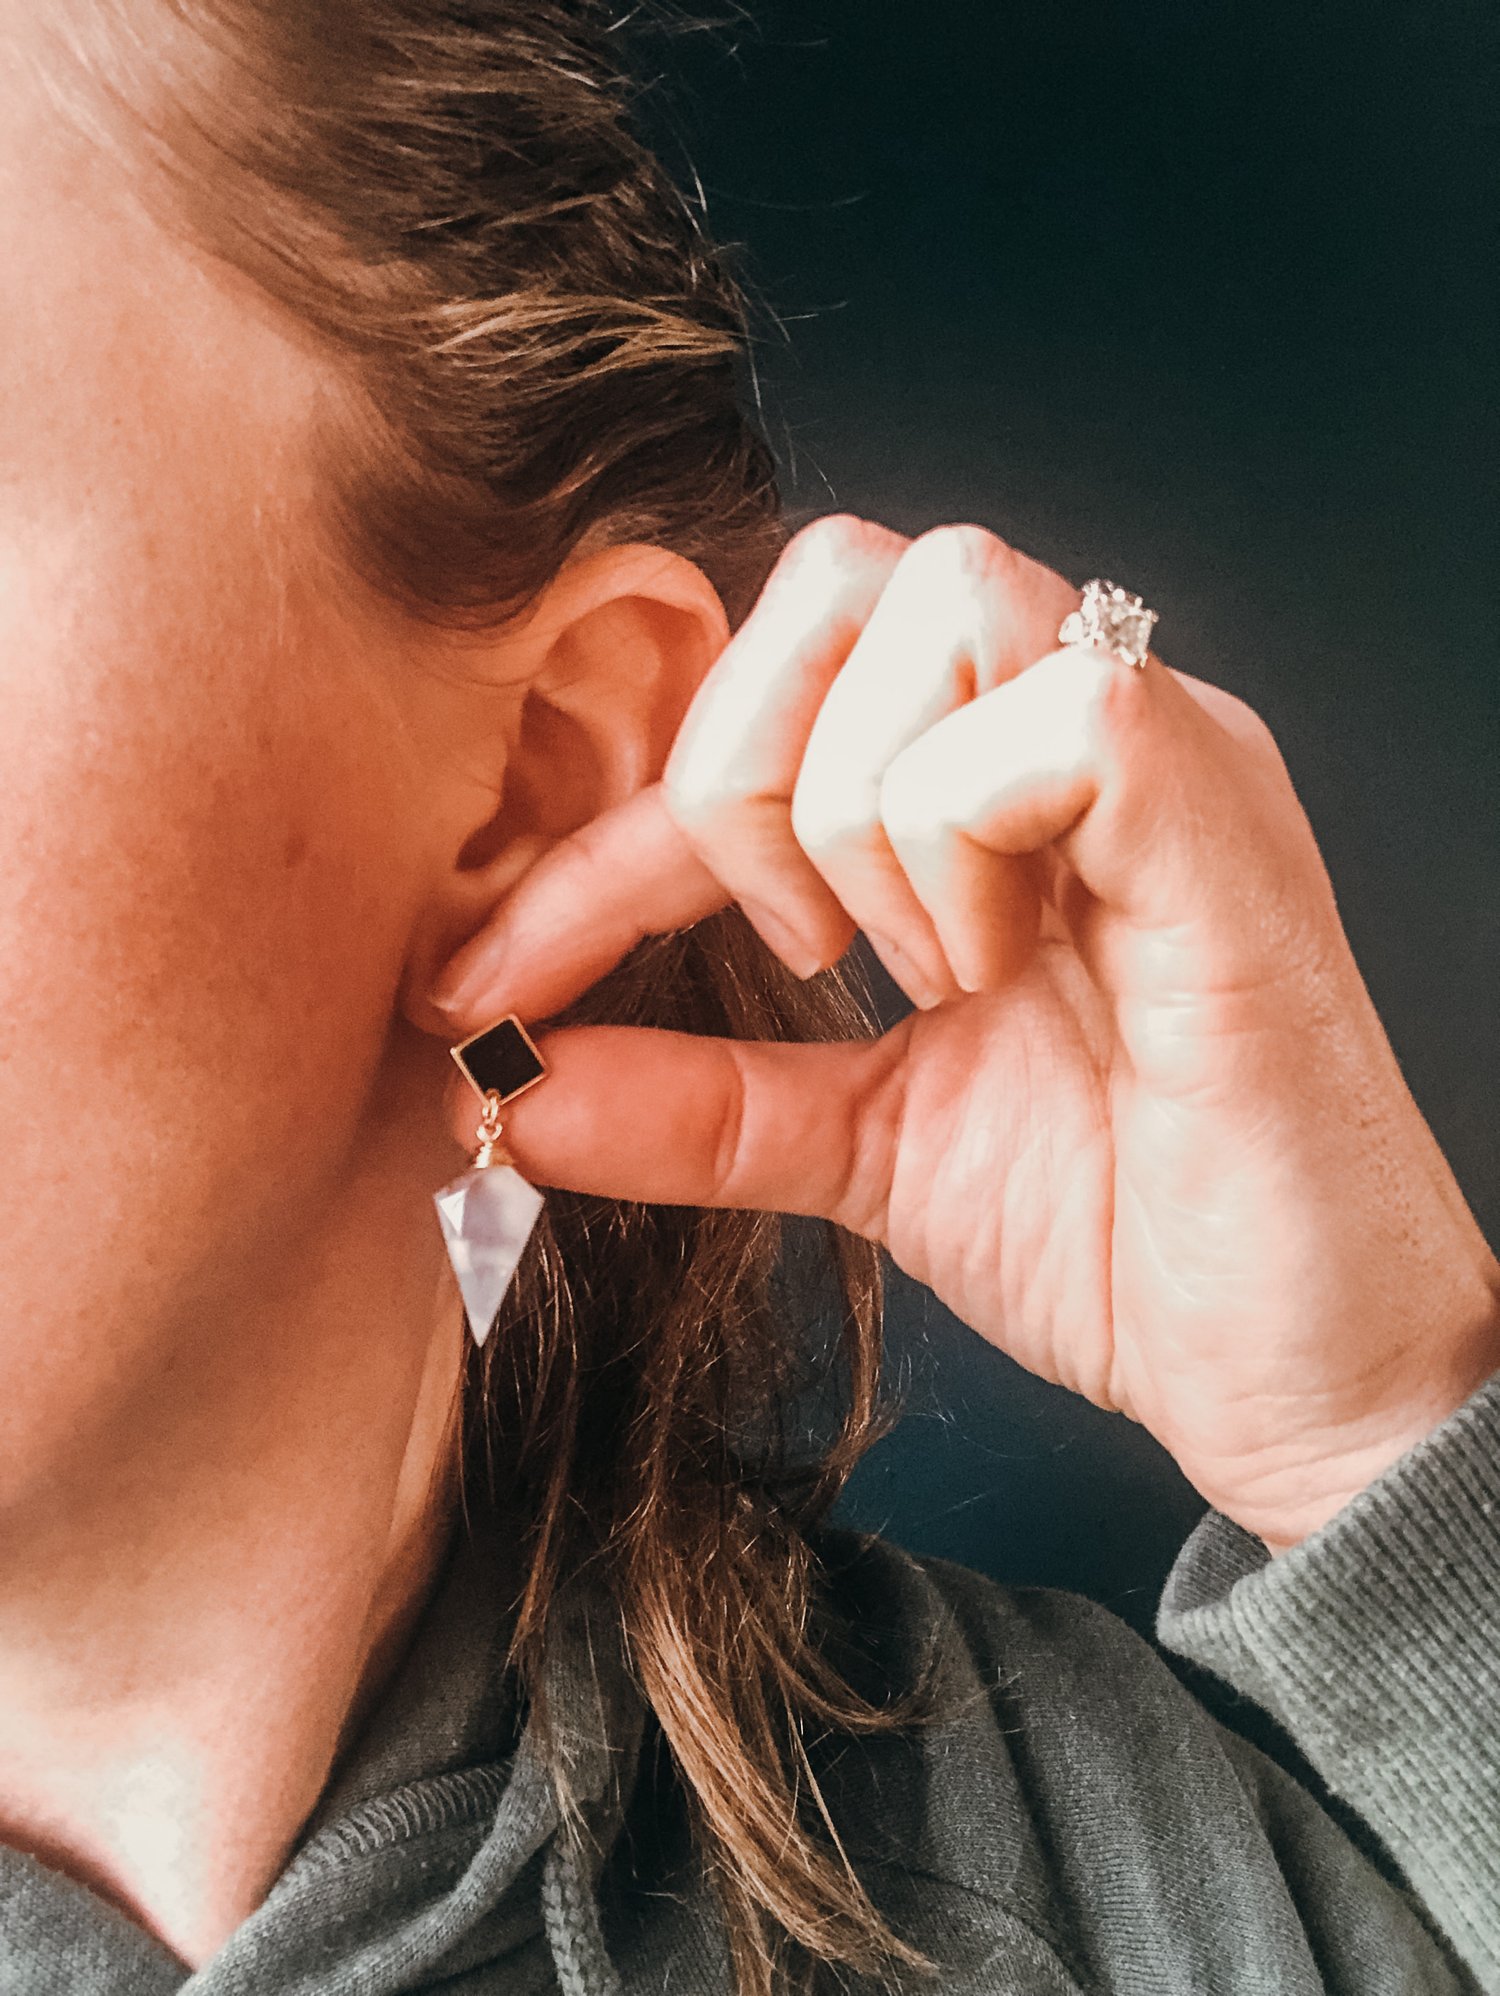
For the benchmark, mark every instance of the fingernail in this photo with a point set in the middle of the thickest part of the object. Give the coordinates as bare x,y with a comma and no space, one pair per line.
471,977
802,960
459,998
451,1004
908,974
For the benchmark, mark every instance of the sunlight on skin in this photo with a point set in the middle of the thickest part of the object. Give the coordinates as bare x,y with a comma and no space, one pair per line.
235,805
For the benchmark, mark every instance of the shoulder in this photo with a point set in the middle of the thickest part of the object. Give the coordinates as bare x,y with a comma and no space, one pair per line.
897,1613
1075,1786
1045,1695
1064,1763
1057,1710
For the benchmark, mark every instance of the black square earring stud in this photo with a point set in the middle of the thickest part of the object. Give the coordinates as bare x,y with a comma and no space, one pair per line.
501,1058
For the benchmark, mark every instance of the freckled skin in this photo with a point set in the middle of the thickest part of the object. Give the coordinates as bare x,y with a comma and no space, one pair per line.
193,778
247,813
219,1269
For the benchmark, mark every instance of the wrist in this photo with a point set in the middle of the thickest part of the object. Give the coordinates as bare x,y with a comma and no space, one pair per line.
1457,1368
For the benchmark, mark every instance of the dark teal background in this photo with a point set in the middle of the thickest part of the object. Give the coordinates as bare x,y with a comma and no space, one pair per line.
1200,297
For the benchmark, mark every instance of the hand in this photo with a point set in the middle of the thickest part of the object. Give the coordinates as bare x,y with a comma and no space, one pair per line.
1144,1131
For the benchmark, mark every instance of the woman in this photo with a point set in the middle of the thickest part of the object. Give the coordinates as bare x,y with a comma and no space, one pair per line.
377,514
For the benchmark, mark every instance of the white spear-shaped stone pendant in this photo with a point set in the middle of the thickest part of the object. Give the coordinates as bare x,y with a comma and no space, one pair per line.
488,1212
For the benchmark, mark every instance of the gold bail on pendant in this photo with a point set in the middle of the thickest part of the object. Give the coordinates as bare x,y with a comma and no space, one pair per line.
487,1136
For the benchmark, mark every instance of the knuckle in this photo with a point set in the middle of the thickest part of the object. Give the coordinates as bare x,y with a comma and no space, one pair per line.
958,551
1110,699
1237,717
1081,685
1084,706
828,817
728,1143
692,795
1253,729
907,800
719,812
1107,688
822,823
830,543
588,848
699,820
862,1202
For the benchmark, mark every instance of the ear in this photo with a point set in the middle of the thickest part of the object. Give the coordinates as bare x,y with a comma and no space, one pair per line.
600,675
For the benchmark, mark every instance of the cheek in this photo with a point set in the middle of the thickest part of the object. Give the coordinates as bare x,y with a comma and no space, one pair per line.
200,927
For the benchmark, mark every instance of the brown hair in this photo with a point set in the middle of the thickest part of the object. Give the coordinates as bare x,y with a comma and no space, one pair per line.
542,350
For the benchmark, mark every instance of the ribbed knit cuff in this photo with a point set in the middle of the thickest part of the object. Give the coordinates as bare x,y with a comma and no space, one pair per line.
1376,1643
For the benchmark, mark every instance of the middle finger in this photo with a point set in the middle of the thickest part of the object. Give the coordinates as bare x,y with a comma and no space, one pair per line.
963,613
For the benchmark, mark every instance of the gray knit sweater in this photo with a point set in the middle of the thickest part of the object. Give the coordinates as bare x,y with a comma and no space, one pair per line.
1083,1825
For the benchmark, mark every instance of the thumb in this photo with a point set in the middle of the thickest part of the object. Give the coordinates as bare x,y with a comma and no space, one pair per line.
632,1112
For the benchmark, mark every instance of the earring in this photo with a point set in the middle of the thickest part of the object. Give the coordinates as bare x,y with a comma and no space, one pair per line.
488,1212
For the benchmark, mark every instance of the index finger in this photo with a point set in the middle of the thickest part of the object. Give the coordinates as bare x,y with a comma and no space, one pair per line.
625,875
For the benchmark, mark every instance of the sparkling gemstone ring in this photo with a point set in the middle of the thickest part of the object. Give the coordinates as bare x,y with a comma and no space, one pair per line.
1110,617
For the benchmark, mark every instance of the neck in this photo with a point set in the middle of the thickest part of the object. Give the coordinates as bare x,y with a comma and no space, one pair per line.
203,1599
